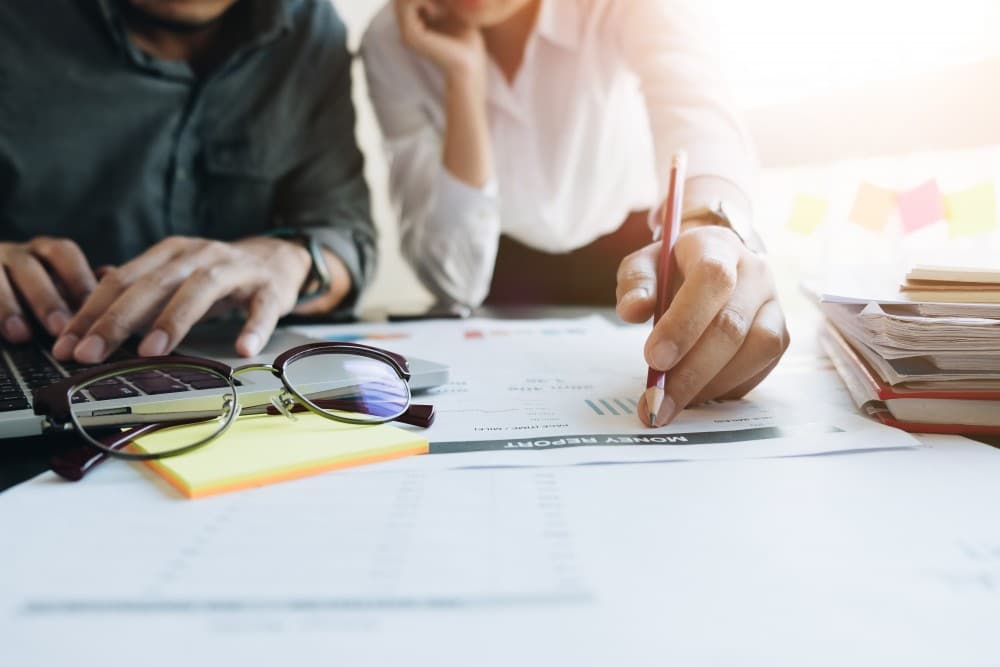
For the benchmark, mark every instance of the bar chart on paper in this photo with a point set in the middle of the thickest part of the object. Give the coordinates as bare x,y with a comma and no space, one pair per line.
612,406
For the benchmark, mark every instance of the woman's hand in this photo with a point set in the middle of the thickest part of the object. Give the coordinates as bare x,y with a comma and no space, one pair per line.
724,330
429,29
458,49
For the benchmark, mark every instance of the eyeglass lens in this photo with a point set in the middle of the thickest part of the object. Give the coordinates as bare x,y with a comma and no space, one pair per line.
349,386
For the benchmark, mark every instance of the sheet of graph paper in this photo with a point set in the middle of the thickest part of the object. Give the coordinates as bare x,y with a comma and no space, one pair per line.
888,557
570,387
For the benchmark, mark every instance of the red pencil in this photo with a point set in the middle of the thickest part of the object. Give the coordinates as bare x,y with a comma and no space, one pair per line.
670,225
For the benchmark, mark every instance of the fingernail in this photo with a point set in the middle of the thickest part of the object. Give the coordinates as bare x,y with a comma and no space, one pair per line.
91,350
634,295
65,344
665,355
249,344
666,412
56,322
16,329
154,344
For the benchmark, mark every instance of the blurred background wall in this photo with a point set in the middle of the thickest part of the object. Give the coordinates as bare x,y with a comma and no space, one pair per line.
892,92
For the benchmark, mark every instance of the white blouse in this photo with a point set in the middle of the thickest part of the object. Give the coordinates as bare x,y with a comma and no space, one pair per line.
608,90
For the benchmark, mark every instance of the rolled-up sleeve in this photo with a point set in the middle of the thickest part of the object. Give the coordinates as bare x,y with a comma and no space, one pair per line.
326,194
668,44
449,231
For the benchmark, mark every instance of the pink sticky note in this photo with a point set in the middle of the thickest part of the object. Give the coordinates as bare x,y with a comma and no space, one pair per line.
872,206
921,206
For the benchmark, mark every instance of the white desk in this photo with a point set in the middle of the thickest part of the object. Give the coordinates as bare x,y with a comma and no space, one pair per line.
878,558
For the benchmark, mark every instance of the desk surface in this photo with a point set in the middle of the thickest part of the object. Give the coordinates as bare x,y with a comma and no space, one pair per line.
885,557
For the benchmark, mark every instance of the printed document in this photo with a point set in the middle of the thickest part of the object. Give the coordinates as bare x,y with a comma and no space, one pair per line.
569,387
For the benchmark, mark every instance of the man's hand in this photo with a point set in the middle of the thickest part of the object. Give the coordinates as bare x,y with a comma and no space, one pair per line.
51,275
427,27
724,330
174,284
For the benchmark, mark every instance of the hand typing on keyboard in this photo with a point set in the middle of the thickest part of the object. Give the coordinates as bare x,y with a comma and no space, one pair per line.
165,291
53,278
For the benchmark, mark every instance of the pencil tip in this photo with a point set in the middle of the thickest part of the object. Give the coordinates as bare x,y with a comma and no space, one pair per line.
652,419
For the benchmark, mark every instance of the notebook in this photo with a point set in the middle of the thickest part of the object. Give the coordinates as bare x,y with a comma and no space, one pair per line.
952,284
263,449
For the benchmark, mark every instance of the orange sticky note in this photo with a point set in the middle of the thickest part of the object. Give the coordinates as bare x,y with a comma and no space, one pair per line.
872,206
971,212
921,206
808,213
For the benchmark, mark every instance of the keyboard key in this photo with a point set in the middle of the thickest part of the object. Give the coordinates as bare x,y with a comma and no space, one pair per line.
107,392
208,383
143,375
162,385
19,404
107,382
188,375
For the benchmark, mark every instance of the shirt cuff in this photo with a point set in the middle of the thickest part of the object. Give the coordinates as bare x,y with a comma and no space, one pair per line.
453,189
458,243
342,243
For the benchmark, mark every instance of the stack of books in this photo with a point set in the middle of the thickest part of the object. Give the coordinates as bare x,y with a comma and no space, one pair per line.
928,361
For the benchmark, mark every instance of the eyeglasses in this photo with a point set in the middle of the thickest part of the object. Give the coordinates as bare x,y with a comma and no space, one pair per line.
109,406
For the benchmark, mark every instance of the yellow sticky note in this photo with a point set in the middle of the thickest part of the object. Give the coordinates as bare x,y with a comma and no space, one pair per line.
264,449
808,213
972,211
872,207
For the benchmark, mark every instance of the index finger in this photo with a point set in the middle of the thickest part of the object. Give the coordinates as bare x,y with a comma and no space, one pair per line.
636,289
68,262
710,269
112,285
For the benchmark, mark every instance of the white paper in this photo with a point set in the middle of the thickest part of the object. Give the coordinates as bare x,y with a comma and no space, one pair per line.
878,558
570,388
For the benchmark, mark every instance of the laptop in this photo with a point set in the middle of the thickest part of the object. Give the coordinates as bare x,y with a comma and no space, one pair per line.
30,366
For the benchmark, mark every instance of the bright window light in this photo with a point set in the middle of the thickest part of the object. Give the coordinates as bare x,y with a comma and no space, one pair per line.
782,50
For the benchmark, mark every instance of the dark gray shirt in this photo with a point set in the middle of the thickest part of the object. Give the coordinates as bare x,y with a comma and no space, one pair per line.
117,150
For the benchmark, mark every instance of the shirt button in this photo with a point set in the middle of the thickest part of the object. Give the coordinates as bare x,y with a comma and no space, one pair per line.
181,174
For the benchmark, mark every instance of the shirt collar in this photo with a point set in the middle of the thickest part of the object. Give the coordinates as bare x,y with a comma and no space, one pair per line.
559,22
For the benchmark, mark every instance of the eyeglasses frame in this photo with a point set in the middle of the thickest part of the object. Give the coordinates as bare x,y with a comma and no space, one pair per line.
54,401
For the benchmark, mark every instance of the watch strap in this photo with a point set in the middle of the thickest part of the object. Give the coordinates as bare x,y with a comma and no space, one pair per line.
720,213
319,272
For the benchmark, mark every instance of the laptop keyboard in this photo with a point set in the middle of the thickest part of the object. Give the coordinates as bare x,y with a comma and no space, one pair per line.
11,395
25,368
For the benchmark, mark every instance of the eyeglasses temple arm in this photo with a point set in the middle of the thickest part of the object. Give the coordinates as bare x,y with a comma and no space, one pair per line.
73,465
418,414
